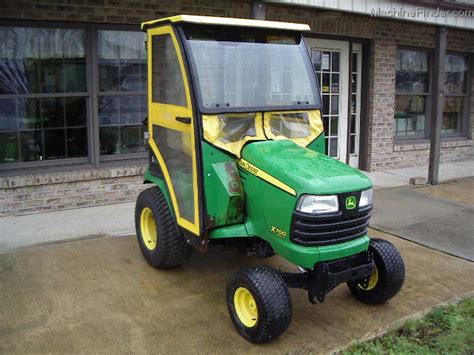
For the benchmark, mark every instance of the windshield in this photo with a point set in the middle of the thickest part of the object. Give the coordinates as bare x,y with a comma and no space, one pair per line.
247,68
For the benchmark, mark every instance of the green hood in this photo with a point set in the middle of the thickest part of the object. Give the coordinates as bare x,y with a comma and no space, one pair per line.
304,170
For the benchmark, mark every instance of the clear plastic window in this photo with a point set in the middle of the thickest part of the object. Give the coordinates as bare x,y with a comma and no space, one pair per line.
167,80
175,148
290,125
248,68
231,131
302,127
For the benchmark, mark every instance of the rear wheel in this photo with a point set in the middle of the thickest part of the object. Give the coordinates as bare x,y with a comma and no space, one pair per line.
161,242
387,277
259,303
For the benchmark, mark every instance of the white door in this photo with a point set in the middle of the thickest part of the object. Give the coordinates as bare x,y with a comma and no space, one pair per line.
331,63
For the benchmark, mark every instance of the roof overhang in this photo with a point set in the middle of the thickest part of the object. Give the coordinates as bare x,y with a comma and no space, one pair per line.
226,21
460,14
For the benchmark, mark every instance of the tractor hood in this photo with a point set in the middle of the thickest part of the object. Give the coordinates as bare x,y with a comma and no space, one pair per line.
304,170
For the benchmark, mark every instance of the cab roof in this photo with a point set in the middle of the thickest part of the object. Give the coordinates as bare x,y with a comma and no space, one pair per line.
227,21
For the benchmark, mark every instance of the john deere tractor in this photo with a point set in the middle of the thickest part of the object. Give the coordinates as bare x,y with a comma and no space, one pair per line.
237,155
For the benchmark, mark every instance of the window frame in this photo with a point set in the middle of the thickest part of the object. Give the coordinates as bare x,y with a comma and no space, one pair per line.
94,158
464,133
86,94
427,95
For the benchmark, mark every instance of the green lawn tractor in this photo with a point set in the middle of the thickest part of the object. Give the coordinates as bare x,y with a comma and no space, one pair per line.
237,155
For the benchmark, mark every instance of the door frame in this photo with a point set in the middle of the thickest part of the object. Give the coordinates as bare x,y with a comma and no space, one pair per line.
354,159
187,111
364,92
342,47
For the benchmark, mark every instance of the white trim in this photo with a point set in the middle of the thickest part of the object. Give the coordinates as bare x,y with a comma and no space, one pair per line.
354,158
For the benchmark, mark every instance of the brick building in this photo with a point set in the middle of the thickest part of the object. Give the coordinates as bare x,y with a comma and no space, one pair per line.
73,88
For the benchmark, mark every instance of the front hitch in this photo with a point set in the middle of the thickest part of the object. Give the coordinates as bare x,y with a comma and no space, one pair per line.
326,275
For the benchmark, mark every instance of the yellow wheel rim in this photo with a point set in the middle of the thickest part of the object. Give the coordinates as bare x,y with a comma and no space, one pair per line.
148,228
374,278
246,307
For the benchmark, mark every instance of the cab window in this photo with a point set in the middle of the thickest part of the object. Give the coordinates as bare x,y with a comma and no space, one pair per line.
231,131
167,81
249,69
290,125
302,127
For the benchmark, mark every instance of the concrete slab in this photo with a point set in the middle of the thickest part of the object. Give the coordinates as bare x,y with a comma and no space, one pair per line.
459,191
385,179
436,216
400,177
99,295
27,230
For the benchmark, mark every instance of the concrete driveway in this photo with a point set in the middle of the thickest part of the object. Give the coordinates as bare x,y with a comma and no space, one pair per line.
441,217
99,295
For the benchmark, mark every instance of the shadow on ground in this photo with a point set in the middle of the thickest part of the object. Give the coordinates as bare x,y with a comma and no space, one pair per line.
100,295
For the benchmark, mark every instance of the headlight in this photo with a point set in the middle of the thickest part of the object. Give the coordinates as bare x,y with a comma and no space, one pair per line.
317,204
366,198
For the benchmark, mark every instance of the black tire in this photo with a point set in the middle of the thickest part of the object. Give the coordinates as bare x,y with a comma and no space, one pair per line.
170,248
391,274
272,300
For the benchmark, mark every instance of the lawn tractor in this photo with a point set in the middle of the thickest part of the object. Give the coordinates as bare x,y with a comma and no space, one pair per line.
237,155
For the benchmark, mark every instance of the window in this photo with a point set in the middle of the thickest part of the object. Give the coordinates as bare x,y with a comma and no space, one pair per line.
52,101
122,91
327,65
455,92
412,93
43,94
248,69
168,86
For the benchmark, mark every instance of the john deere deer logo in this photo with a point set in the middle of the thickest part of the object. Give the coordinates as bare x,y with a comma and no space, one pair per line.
350,203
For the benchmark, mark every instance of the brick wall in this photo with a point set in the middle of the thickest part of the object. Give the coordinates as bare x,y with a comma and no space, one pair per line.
119,11
384,151
72,189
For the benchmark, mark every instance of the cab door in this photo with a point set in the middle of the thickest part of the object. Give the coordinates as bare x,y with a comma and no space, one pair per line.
171,124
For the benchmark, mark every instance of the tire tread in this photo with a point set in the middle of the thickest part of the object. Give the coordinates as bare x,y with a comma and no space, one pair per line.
172,249
273,299
391,274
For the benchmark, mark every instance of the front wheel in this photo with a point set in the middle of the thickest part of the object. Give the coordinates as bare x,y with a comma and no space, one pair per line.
387,277
259,303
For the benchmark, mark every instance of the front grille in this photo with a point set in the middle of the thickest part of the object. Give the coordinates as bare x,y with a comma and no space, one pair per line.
324,229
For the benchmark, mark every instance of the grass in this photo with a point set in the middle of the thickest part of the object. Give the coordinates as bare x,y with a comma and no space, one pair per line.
445,330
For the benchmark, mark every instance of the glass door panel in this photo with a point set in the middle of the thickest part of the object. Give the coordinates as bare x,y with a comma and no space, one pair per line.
330,60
